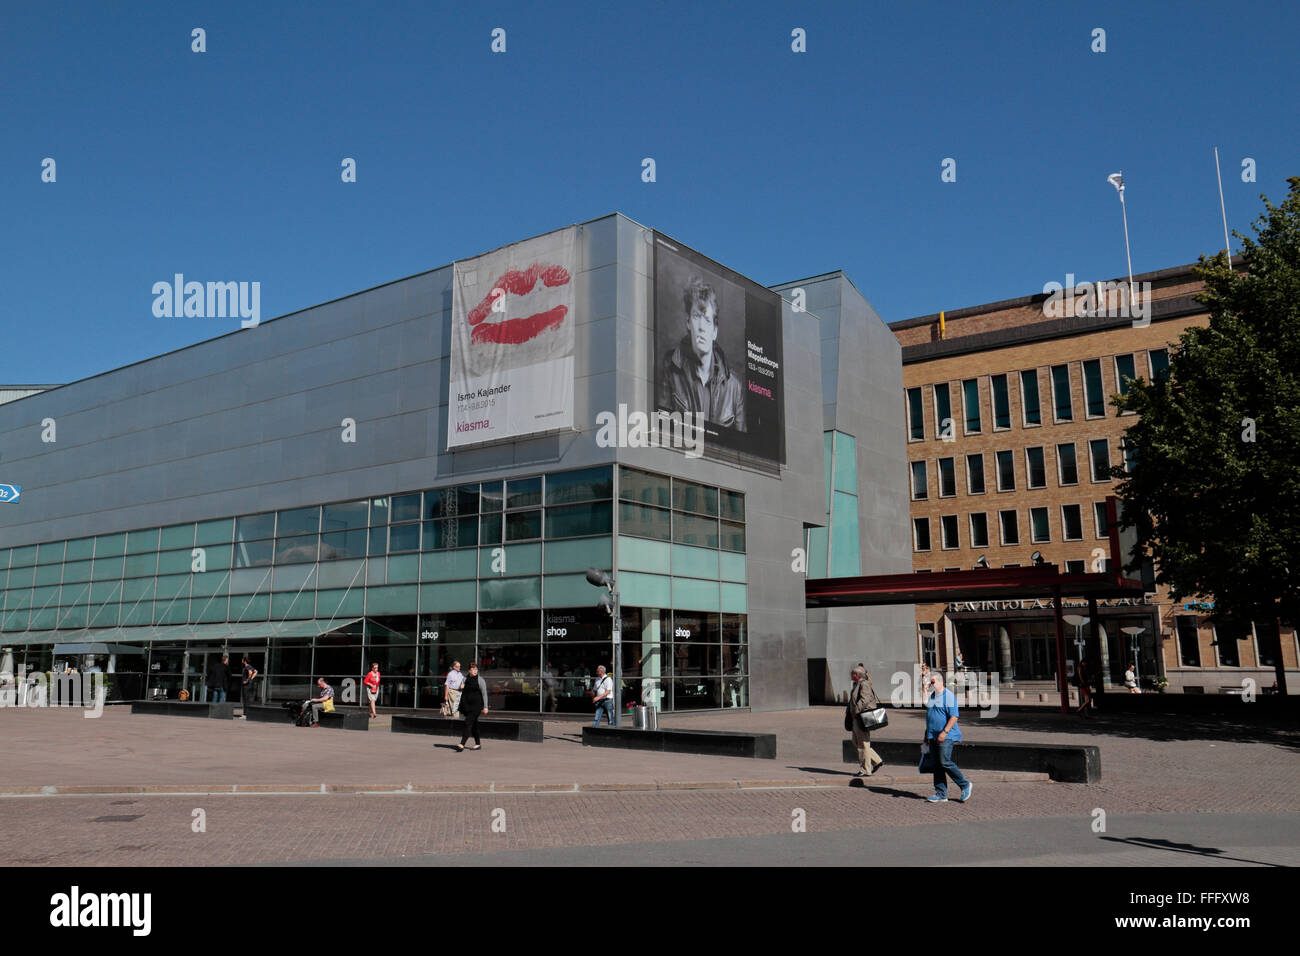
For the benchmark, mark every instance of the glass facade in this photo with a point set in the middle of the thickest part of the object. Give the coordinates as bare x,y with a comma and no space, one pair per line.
489,571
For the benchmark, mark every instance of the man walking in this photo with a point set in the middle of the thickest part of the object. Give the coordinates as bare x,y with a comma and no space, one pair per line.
455,681
942,734
862,698
604,697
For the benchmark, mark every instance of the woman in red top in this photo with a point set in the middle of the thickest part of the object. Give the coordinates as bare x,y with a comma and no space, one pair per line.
372,687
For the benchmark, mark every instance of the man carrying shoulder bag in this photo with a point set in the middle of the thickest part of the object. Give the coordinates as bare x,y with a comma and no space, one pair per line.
863,714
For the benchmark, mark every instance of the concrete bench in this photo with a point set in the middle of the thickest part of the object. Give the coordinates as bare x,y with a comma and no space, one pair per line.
342,719
176,708
525,731
1067,763
717,743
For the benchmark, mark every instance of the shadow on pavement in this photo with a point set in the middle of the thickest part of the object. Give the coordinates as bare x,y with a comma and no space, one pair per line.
887,791
1159,728
1154,844
836,773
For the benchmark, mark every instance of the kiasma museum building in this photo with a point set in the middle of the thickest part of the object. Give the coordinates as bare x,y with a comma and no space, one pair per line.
422,472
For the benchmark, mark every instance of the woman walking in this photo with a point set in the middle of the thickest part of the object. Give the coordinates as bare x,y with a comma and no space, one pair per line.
862,698
473,705
372,686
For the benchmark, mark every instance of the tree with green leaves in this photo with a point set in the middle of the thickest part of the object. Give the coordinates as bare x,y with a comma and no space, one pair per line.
1213,487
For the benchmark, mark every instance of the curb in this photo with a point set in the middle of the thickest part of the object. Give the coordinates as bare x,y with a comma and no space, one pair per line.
800,783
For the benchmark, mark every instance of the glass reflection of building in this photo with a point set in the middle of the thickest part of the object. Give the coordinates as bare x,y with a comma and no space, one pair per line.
490,571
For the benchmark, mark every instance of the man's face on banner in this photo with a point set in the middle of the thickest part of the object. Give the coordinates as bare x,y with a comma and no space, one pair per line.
702,327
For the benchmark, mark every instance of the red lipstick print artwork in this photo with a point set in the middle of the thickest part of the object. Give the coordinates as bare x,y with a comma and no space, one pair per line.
521,329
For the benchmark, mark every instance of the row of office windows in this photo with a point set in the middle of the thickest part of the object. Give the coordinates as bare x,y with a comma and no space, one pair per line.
1031,396
1268,647
1008,526
1004,469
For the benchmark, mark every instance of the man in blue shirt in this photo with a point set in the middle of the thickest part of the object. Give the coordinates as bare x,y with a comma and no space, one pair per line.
942,732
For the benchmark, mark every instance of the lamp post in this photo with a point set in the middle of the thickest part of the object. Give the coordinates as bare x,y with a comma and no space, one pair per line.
610,602
1077,621
1133,633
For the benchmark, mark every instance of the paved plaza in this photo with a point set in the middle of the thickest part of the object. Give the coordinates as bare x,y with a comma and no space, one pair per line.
124,789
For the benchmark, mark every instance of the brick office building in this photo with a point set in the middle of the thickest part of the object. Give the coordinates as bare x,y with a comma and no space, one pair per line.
1023,468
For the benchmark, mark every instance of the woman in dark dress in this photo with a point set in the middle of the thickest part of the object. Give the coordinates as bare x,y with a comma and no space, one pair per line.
473,705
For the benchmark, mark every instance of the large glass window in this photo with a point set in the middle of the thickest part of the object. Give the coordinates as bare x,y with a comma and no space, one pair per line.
451,502
587,484
920,484
1006,471
948,528
698,499
1226,643
1159,359
947,478
695,530
1036,467
1001,402
732,504
975,474
523,493
1072,522
644,488
1068,468
1099,518
979,530
491,497
915,415
921,530
1092,390
1189,640
1009,526
405,537
731,536
1061,393
510,658
1099,450
942,409
1038,527
523,525
576,521
445,533
404,508
1268,644
1125,372
1029,397
971,401
642,521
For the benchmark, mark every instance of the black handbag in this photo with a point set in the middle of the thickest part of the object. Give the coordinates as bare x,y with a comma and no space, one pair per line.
873,719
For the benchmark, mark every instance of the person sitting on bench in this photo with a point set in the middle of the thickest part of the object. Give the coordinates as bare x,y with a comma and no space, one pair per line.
325,702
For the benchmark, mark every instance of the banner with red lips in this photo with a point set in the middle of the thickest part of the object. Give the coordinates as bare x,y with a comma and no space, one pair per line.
512,341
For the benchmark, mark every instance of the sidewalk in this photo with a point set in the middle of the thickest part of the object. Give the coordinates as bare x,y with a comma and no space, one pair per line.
64,753
1159,766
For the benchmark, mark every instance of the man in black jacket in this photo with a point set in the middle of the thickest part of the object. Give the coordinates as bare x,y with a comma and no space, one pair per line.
218,678
695,378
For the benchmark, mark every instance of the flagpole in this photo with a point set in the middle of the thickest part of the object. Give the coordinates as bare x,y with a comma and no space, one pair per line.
1127,254
1227,244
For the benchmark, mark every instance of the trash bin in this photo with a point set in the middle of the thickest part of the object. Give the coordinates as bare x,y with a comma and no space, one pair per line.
645,718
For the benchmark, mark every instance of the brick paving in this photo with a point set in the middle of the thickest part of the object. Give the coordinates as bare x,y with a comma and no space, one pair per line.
621,797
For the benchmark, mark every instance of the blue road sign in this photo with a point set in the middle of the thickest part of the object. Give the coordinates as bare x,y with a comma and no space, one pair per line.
10,493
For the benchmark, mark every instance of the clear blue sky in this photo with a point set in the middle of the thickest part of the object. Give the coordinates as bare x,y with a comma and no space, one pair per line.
225,165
